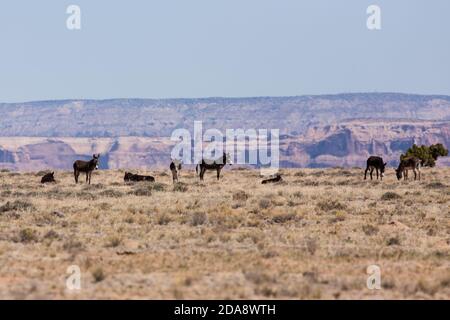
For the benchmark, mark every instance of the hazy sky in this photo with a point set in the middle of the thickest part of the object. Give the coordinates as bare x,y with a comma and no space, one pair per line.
203,48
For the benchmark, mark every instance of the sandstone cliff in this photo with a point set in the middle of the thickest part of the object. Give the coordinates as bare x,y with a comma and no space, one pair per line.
316,131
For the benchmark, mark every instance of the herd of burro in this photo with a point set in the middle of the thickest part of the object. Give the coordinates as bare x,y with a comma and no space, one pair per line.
374,163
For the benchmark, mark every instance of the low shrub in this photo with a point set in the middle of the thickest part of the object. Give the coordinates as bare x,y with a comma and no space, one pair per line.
390,196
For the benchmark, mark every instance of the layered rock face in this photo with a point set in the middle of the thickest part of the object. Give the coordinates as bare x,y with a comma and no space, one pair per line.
350,143
315,131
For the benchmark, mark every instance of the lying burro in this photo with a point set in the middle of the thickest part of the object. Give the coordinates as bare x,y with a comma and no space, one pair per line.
136,177
272,179
49,177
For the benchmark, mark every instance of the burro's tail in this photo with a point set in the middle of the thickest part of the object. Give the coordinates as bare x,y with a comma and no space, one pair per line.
197,168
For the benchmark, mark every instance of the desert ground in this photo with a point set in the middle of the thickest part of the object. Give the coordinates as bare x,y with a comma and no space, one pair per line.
311,236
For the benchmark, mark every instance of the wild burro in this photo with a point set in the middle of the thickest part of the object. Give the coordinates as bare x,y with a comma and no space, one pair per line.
375,163
175,168
217,165
272,179
131,177
85,166
410,163
49,177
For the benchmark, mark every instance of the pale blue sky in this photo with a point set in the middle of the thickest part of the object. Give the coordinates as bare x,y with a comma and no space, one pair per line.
204,48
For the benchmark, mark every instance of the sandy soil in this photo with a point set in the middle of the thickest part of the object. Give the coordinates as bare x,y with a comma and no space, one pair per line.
311,236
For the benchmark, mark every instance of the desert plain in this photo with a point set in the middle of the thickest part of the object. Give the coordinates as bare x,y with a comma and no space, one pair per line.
311,236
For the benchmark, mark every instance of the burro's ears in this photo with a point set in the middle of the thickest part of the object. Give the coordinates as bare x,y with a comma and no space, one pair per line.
177,161
385,164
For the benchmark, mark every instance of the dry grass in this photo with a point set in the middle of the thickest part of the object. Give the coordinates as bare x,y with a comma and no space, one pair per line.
310,237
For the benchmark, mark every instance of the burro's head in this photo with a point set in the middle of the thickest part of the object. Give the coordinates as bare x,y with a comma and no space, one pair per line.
95,158
398,173
382,169
177,163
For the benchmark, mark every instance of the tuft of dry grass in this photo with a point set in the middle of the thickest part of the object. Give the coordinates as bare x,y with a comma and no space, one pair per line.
98,275
390,196
180,187
16,205
330,204
240,195
28,235
198,219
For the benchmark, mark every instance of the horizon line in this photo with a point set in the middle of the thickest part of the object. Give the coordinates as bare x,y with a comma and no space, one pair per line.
234,97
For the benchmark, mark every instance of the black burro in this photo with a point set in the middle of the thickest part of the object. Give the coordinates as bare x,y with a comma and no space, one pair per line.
375,163
175,168
49,177
217,165
85,166
136,177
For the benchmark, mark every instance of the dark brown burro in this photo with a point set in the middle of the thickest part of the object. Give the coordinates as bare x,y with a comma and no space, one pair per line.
175,167
410,163
85,166
49,177
217,165
272,179
136,177
375,163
